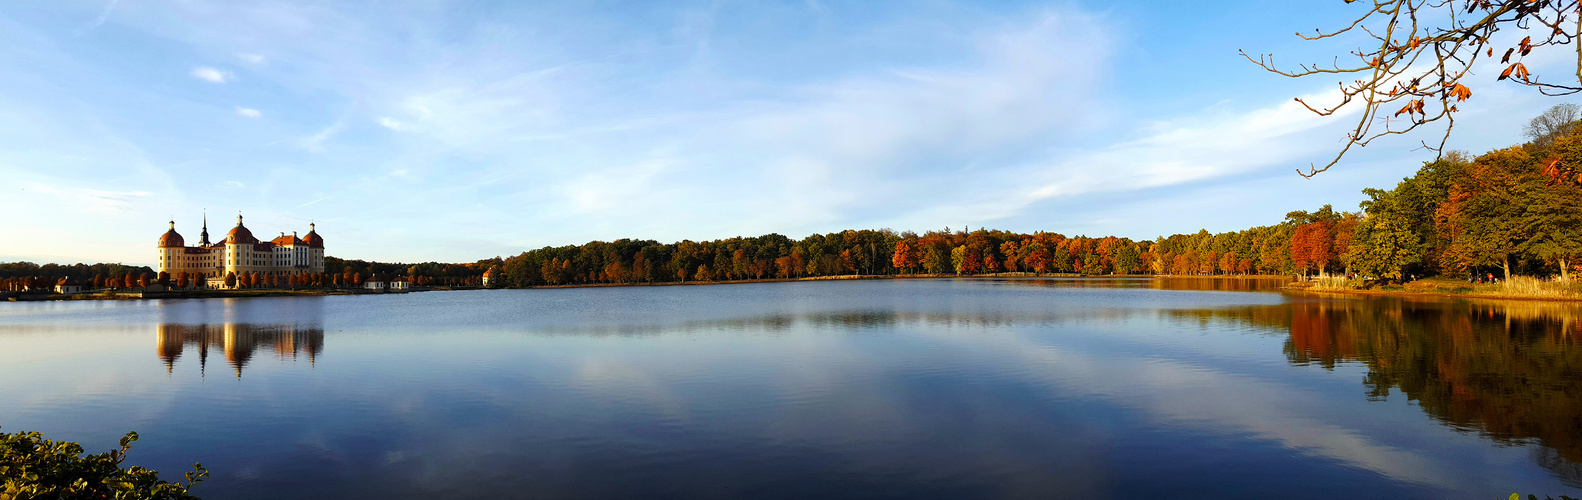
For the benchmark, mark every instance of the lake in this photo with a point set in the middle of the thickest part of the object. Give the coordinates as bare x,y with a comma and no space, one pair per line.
941,388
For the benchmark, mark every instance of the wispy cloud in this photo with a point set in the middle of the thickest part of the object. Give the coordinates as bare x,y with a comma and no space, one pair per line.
94,200
314,201
254,59
104,15
315,142
1213,144
248,112
213,75
391,123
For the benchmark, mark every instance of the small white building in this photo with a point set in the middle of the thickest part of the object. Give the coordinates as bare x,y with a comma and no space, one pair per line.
376,284
400,285
68,287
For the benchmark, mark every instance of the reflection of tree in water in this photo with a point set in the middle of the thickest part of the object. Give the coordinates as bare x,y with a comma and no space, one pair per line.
1511,371
1220,284
238,340
1199,283
846,321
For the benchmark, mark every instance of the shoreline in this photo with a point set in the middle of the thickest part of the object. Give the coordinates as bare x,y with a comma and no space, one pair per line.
903,276
1434,294
211,294
193,294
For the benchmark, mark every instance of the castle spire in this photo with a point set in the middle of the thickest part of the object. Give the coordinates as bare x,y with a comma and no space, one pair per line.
203,238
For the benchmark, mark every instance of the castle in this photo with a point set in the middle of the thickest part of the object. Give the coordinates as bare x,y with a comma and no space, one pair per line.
240,253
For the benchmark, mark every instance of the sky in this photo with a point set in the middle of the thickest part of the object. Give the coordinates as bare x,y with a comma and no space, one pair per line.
456,131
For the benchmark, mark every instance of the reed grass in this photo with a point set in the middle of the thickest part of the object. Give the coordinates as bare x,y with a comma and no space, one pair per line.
1525,286
1335,283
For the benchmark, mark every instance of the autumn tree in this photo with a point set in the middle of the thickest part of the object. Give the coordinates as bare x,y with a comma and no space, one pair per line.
1383,243
1552,217
936,259
905,256
1481,219
1126,259
1311,247
1557,122
958,258
1343,230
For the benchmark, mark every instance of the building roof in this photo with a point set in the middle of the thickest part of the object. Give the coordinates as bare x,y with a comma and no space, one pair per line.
240,235
284,240
313,239
171,238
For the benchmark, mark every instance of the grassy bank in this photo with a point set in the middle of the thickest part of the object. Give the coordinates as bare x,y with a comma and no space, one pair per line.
1518,287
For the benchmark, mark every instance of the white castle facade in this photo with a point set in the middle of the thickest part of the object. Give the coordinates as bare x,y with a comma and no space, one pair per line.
240,253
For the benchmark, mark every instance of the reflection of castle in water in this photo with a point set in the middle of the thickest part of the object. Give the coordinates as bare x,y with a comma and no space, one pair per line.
240,328
239,342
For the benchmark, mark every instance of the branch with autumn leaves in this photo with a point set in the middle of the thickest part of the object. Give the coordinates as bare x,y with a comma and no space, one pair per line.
1420,51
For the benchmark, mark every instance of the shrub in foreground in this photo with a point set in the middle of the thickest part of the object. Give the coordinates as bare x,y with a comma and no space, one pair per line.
34,467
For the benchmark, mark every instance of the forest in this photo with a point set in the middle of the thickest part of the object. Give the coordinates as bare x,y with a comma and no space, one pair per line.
1511,211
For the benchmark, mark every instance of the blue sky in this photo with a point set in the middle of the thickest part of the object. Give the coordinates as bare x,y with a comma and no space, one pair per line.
453,131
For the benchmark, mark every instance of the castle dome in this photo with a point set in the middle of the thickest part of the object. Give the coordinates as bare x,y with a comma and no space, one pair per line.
171,238
240,235
313,239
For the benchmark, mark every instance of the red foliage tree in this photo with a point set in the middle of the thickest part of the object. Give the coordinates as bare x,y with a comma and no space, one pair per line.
1312,247
906,256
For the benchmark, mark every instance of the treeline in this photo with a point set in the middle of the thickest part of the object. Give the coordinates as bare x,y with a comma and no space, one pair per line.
1510,211
885,252
1514,210
1265,250
424,274
79,273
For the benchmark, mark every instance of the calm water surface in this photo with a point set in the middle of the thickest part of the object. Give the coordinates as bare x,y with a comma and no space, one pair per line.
1031,388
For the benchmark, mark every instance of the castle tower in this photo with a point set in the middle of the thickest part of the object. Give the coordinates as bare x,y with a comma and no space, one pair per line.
170,247
203,238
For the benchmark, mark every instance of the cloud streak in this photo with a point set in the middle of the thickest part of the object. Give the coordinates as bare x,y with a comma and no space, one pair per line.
212,75
104,15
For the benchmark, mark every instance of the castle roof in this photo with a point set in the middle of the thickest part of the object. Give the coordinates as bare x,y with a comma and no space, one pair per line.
284,240
171,238
240,235
313,239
